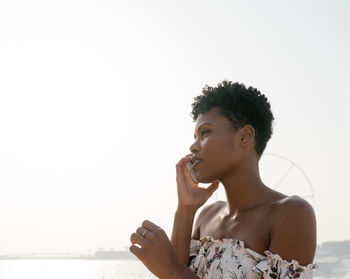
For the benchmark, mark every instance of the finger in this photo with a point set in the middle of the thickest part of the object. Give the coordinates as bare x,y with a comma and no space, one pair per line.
184,159
145,233
187,156
213,187
136,251
181,169
142,231
180,172
135,238
189,177
150,226
154,230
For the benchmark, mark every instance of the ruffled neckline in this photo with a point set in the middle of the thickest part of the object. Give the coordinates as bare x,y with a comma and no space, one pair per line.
269,255
229,240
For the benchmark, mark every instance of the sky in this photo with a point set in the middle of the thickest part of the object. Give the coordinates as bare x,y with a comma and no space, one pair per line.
95,98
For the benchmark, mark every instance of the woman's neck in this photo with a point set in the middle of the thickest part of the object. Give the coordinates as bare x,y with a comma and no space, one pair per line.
244,189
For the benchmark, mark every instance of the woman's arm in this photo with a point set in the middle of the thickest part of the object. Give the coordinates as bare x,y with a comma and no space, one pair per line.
190,198
165,259
181,235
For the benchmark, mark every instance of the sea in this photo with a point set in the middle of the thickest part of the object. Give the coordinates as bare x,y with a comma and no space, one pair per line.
101,269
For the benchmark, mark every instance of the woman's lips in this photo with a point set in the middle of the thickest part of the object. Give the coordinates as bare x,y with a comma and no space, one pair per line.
196,163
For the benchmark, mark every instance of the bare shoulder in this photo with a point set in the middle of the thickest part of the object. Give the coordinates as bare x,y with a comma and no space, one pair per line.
293,209
293,234
206,213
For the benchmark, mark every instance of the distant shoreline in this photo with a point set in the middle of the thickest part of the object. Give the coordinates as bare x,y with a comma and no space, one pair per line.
67,258
98,255
327,249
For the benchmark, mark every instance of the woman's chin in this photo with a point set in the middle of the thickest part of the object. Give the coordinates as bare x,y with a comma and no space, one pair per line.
202,179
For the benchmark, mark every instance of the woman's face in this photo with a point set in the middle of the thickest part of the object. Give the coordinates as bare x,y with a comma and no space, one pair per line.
216,146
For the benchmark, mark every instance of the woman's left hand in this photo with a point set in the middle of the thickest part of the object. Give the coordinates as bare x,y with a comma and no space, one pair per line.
156,252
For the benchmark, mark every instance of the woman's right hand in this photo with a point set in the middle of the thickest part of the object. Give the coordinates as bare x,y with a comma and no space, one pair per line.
189,194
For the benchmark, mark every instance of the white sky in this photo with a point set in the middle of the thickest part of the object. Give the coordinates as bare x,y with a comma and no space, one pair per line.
95,99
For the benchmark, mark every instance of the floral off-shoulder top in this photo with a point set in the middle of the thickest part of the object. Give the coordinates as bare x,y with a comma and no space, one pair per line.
230,259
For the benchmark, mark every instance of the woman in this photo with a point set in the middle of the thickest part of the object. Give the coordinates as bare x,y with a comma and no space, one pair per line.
258,232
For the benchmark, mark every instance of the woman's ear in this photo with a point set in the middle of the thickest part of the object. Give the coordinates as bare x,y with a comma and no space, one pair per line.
247,133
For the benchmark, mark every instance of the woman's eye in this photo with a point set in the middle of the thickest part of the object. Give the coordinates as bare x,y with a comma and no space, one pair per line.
204,132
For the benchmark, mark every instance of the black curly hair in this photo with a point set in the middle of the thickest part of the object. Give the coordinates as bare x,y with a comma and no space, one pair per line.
241,106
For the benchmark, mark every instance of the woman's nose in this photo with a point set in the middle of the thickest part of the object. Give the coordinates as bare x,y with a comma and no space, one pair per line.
194,148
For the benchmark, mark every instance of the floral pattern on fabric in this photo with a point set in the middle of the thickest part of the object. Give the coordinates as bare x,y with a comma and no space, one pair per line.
277,268
230,259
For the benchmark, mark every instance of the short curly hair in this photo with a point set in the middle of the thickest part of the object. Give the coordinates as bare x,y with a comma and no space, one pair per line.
241,106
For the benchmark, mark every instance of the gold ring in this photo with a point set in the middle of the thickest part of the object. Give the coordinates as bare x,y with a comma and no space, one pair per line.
144,232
